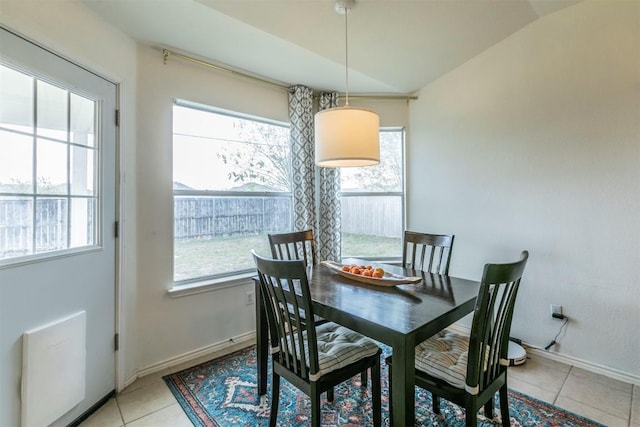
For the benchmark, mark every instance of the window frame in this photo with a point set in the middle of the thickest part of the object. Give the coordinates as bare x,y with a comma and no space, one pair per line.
187,285
401,194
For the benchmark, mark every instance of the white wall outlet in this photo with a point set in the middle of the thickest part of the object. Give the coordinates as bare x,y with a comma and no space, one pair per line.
249,298
556,309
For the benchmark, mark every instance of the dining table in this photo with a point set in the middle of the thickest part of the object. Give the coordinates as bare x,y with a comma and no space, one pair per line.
399,316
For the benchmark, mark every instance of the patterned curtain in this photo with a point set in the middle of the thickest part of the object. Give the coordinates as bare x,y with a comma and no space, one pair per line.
306,202
302,158
329,241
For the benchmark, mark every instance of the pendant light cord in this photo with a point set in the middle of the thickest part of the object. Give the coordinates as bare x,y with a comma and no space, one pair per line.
346,55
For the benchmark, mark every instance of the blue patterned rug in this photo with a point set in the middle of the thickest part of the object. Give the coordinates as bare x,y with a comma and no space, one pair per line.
223,393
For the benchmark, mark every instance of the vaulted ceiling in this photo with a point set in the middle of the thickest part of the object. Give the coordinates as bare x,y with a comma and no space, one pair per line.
395,46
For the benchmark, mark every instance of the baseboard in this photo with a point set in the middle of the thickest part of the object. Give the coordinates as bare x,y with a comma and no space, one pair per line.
583,364
191,355
569,360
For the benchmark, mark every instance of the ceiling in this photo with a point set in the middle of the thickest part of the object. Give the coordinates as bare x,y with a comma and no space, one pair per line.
395,46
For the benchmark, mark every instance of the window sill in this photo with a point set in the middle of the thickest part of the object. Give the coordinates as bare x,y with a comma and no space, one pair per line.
178,291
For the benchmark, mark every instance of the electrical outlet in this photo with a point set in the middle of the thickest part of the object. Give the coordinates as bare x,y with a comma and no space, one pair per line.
556,311
249,298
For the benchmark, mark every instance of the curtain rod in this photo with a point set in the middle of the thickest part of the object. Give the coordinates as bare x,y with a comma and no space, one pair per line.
166,53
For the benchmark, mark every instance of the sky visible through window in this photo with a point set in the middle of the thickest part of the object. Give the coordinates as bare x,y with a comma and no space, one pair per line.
210,149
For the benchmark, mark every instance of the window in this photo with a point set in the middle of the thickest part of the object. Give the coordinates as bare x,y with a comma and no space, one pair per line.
231,187
372,203
48,158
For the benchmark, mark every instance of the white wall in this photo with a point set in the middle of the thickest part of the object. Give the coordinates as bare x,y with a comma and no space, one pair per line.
171,327
71,30
535,144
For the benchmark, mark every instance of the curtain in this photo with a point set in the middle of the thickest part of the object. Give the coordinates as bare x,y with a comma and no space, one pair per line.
315,208
302,158
329,217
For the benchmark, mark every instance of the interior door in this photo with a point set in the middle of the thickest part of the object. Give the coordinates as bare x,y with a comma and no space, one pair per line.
69,267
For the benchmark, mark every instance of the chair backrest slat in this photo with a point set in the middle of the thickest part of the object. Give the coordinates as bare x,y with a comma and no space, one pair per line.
287,299
438,247
491,324
298,245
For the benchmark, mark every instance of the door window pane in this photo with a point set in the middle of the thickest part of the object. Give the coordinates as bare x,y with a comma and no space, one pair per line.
81,120
51,224
52,111
82,227
16,226
16,92
16,163
51,167
60,209
82,172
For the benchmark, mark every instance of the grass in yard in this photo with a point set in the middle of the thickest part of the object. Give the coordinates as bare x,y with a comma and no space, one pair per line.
200,258
365,245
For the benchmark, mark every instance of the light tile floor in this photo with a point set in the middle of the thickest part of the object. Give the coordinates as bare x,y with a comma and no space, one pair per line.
149,403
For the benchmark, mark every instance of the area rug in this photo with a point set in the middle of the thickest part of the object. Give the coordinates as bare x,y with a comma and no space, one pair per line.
223,393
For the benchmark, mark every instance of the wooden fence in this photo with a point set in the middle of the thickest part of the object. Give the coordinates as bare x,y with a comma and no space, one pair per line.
196,218
208,217
16,226
372,215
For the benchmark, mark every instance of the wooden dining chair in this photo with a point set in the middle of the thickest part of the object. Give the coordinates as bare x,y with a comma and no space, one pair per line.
297,245
312,358
468,371
427,252
300,245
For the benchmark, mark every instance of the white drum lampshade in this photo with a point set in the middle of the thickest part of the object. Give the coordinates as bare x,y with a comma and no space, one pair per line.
347,137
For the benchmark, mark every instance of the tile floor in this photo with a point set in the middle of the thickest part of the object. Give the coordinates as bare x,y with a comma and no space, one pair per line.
148,401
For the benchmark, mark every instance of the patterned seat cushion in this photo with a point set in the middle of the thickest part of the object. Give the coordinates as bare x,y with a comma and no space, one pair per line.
339,347
444,356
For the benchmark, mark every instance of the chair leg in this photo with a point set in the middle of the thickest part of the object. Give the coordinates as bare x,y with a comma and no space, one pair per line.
504,406
275,397
488,409
436,404
376,393
364,378
330,396
315,406
471,414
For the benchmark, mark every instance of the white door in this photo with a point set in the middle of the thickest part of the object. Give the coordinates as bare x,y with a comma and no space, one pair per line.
57,214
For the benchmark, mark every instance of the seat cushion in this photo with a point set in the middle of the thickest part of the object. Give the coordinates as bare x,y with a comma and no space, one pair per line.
339,347
444,356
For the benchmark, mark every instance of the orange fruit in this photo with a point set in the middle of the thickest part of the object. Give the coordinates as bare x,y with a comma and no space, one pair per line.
367,272
346,268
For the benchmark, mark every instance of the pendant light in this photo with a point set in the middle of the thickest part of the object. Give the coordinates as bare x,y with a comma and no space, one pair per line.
347,136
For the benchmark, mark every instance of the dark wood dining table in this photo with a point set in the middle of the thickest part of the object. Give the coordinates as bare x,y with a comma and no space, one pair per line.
400,316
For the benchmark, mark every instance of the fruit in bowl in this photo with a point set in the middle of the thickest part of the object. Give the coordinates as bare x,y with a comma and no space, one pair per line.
364,270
